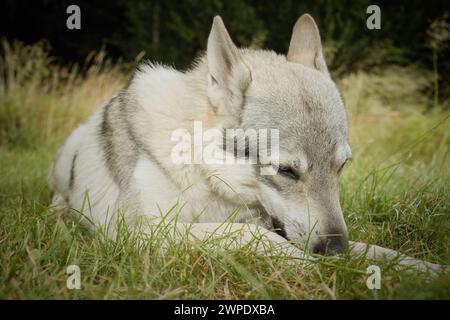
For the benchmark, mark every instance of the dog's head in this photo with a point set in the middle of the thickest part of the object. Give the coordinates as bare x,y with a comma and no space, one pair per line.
295,94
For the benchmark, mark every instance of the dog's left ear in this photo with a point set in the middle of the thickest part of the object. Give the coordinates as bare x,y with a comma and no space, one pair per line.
306,46
229,76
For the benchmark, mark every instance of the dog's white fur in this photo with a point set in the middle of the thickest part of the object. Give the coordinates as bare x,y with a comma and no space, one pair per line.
160,100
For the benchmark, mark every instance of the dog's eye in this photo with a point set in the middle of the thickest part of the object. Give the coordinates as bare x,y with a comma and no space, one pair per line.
288,172
342,167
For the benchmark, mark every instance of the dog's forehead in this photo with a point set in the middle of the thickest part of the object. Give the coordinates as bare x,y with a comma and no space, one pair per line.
290,83
302,103
278,82
294,97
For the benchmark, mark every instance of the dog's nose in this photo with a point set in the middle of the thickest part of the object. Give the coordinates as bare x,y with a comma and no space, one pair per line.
333,243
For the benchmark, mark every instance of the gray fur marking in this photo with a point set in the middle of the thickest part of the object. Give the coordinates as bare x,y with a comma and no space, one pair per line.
72,171
120,152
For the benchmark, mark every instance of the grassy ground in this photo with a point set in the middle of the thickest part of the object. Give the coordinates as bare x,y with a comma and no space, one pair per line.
395,193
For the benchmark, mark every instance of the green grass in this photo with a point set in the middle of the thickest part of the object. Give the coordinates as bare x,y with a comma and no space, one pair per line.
395,193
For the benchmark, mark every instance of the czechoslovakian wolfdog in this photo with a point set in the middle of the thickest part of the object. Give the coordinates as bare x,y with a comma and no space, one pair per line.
121,159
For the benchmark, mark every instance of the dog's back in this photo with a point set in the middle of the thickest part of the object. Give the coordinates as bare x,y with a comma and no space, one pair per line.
122,153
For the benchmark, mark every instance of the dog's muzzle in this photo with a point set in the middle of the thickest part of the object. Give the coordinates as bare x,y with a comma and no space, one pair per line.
335,242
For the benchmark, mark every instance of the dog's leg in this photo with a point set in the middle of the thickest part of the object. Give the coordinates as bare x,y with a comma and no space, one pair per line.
359,249
241,234
230,236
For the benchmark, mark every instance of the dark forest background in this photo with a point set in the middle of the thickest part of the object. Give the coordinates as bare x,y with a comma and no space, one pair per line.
174,32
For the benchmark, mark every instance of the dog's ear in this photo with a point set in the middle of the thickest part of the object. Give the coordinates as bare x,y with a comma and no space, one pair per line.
306,46
229,76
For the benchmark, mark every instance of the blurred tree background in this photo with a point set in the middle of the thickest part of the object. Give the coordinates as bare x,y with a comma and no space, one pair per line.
174,32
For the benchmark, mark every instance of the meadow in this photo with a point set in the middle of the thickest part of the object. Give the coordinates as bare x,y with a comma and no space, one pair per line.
395,193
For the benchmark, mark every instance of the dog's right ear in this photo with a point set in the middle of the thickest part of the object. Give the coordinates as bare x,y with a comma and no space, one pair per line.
228,75
306,47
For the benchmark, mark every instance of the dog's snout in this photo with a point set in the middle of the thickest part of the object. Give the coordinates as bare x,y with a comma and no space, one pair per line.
331,244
